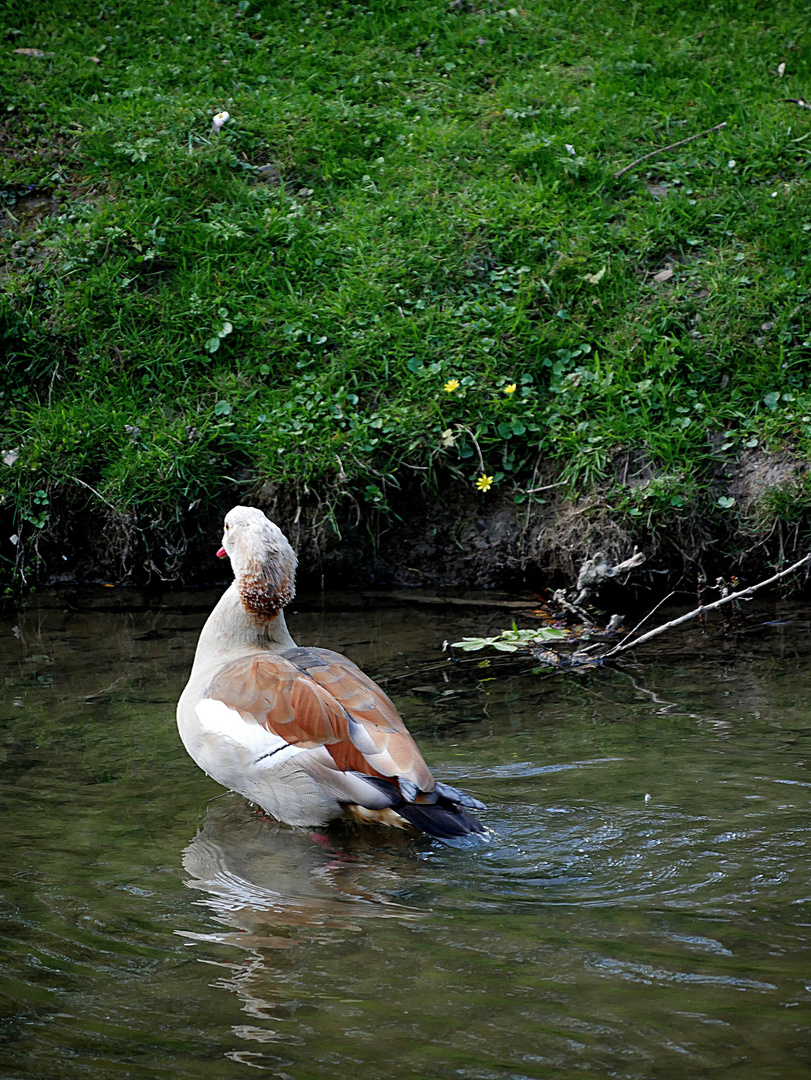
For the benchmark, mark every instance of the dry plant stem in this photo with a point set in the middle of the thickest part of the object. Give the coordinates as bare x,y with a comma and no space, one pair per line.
744,593
464,427
546,487
96,493
672,146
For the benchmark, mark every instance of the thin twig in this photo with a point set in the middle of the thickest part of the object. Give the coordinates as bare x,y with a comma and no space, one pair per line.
707,607
672,146
546,487
641,622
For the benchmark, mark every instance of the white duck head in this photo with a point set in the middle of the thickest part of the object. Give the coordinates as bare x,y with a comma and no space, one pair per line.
263,562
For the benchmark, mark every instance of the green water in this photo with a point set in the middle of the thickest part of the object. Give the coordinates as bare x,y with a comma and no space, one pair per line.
641,909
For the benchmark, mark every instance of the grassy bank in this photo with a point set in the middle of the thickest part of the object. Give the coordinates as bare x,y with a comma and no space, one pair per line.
404,260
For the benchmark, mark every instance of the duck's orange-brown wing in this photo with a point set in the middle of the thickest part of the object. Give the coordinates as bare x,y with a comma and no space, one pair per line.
315,697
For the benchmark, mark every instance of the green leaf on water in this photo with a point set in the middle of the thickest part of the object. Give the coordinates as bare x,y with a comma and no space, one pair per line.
510,640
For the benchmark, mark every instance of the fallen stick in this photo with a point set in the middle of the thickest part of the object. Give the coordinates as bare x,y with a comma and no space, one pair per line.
744,593
672,146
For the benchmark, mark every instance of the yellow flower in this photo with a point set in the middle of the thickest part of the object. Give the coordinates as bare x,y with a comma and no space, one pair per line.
451,385
510,389
484,483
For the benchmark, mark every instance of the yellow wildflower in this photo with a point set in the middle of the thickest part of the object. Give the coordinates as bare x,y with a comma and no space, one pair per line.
484,483
451,385
511,388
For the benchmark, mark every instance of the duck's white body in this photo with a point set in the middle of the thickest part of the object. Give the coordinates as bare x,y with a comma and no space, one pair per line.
226,746
303,733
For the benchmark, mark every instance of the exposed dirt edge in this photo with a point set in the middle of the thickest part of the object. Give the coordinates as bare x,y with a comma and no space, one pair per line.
453,537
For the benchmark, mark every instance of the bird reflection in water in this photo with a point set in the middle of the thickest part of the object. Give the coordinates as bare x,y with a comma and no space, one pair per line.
272,887
274,884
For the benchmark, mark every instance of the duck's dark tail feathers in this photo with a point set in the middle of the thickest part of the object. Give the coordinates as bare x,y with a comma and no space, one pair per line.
441,813
443,819
445,816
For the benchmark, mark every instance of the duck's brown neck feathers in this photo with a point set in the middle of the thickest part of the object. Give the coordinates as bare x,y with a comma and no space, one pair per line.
263,562
264,592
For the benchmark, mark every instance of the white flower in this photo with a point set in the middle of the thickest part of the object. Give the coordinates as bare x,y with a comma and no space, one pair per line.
218,121
570,149
731,163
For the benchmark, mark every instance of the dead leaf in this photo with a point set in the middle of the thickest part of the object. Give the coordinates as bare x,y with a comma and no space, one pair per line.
10,456
595,279
94,60
663,275
33,52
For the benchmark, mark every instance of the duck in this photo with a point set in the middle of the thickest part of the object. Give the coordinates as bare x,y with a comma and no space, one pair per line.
301,732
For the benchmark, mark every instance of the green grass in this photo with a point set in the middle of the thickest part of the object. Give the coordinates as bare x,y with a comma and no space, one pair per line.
181,332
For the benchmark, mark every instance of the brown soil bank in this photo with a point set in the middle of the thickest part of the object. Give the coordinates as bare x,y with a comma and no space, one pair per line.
449,536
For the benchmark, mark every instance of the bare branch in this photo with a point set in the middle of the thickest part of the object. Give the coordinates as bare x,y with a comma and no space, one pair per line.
743,594
672,146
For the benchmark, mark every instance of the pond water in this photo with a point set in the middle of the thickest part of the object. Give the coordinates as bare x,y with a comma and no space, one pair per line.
640,910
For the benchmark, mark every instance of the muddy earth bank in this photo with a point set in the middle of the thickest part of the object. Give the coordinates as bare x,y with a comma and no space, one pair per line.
450,538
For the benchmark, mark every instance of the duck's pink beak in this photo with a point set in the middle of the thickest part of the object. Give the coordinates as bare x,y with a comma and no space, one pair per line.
222,554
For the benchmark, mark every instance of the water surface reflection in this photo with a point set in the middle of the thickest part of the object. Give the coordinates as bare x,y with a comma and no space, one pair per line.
264,878
640,909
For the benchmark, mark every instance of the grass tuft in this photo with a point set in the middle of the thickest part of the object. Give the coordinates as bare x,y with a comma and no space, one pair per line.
406,253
